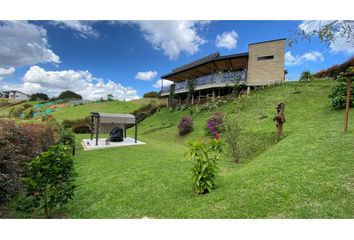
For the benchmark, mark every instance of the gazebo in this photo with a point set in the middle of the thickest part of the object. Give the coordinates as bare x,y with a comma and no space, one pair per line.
105,122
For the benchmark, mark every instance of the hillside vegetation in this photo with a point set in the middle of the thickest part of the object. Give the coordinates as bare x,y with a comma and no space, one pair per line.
308,174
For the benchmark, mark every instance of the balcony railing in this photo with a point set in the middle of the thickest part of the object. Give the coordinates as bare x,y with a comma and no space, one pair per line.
212,79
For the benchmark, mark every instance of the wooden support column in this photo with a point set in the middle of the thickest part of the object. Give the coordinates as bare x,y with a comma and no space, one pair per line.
213,93
347,104
136,130
192,98
125,130
92,126
199,97
180,100
97,128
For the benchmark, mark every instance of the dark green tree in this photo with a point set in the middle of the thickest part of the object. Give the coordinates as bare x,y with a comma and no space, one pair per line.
69,95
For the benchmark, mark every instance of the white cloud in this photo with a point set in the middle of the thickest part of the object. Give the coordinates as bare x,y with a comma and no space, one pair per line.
146,76
313,56
23,43
341,42
165,83
227,40
6,72
83,28
53,83
173,37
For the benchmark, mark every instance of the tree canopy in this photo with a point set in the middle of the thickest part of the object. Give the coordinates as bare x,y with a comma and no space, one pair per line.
69,95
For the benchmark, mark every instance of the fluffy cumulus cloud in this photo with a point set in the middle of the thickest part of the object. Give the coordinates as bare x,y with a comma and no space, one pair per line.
53,83
84,29
23,43
341,42
173,37
227,40
146,76
4,72
313,56
165,83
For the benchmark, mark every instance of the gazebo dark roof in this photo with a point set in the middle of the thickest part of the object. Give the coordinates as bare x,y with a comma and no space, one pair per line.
205,66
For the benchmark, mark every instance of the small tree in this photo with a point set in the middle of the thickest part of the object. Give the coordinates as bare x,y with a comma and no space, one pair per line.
50,182
109,97
67,138
39,96
306,76
191,83
232,135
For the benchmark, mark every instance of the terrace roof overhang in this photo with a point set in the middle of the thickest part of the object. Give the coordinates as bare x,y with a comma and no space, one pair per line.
208,65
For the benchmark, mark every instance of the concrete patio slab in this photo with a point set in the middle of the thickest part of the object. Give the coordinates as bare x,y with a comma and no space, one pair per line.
89,144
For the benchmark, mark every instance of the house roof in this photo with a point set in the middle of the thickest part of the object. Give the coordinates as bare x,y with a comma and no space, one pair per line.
206,65
114,117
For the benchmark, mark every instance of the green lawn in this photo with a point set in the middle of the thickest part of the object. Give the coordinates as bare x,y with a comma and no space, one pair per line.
308,174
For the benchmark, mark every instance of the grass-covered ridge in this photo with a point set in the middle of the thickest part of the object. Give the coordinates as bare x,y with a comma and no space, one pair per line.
308,174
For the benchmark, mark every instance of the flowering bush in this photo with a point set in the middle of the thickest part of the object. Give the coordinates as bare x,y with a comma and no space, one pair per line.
185,126
215,125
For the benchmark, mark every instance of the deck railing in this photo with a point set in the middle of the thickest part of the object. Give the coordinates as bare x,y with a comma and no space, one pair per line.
212,79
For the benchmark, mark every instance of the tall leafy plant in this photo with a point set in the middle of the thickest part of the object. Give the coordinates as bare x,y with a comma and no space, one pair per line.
50,181
172,93
204,159
191,84
339,92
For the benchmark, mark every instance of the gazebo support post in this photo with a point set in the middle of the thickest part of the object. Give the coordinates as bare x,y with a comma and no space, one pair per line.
125,130
92,127
136,130
97,128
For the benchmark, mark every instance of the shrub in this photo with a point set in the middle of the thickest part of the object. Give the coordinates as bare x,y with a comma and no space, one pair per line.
204,169
214,124
339,93
18,144
81,125
233,136
50,181
146,111
306,76
185,126
27,105
151,94
335,70
67,138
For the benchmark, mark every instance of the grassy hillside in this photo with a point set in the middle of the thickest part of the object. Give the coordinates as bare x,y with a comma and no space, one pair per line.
82,111
308,174
4,111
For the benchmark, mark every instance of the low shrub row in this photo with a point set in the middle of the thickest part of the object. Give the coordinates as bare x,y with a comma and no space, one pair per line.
81,125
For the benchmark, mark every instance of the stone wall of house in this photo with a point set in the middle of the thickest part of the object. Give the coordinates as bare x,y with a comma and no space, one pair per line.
262,68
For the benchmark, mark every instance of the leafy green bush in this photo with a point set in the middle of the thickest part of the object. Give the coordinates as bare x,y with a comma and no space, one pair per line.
185,126
81,125
151,94
18,144
232,136
204,169
146,111
339,92
50,181
306,76
39,96
67,138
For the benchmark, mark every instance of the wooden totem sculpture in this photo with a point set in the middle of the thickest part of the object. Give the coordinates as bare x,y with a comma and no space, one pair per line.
279,120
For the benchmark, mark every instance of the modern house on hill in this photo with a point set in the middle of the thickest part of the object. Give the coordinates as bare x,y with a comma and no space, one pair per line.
14,95
262,65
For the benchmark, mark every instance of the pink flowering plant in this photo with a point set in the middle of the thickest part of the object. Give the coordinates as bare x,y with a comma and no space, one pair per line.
215,125
185,126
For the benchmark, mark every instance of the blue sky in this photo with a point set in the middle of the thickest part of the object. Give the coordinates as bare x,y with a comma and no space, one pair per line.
127,58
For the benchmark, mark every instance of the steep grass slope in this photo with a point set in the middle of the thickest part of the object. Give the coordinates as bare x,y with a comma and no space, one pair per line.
308,174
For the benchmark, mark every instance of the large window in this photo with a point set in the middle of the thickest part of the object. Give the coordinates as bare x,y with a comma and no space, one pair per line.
265,58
